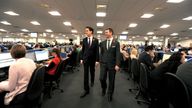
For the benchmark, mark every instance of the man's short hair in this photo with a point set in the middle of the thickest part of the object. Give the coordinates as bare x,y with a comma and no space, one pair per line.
110,30
148,48
90,29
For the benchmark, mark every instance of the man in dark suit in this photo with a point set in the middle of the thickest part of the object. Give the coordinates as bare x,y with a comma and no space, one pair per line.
89,57
109,62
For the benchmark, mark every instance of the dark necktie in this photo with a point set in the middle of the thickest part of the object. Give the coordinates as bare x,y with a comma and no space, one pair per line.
108,44
89,42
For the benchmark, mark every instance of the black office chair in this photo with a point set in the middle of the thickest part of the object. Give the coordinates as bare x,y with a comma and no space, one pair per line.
32,97
176,91
135,71
144,89
54,80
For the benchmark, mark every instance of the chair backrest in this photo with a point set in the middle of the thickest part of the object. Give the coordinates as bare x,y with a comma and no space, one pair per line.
176,91
144,78
135,69
36,84
59,70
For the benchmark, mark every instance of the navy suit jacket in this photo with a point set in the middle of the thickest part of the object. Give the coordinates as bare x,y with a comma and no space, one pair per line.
90,53
110,56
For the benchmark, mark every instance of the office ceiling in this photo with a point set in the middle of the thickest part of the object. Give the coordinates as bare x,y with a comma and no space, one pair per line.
81,13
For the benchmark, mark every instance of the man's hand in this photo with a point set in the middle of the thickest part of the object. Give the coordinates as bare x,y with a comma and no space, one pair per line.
81,61
96,64
116,68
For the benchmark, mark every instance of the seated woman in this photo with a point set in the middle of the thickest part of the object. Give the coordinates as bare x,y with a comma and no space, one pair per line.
19,74
52,66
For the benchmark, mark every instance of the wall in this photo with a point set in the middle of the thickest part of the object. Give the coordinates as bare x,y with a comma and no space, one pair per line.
185,43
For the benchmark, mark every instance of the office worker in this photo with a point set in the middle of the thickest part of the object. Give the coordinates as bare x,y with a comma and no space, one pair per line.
89,58
52,65
19,74
109,62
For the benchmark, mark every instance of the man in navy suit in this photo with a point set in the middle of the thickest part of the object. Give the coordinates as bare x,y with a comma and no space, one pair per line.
109,62
89,57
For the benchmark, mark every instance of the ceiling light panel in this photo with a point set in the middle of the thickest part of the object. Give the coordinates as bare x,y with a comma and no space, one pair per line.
5,23
190,28
125,32
24,30
165,26
132,25
174,1
101,6
100,24
99,32
48,30
11,13
101,14
3,30
67,23
150,33
174,34
187,18
54,13
74,31
35,23
147,15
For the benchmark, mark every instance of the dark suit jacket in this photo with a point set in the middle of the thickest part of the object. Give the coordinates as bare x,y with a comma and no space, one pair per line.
147,60
110,56
90,53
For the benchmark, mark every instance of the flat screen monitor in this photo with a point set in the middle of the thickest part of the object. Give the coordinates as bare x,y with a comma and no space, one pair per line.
30,55
63,55
165,57
6,60
42,55
122,37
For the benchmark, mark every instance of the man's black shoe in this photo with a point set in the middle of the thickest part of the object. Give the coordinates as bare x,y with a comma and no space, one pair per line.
92,84
103,92
84,94
109,98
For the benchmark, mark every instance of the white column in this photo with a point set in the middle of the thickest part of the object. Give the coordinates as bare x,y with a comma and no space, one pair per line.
166,40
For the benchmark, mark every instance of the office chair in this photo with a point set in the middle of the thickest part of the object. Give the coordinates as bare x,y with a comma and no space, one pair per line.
144,89
54,80
72,62
32,97
177,92
135,71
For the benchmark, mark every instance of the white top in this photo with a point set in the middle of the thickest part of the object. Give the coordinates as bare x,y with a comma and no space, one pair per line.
19,76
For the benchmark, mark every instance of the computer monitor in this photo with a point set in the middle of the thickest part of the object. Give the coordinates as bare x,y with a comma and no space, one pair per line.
165,57
31,55
42,55
63,55
6,60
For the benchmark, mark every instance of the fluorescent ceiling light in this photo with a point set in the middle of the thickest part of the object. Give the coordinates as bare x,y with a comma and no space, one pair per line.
165,26
67,23
132,25
147,15
174,34
35,23
11,13
190,28
174,1
100,24
187,18
150,33
5,23
54,13
101,14
24,30
125,32
52,35
48,30
99,32
101,6
74,31
3,30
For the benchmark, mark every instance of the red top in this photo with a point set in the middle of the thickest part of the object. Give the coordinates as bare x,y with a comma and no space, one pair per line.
56,62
